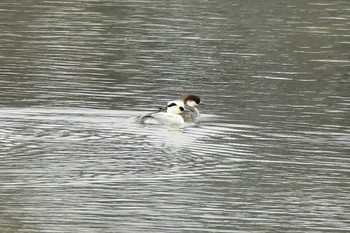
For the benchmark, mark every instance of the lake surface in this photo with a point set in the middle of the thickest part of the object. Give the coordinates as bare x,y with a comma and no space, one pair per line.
271,152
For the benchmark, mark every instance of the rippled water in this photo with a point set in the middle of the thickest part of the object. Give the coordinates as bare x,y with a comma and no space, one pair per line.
271,150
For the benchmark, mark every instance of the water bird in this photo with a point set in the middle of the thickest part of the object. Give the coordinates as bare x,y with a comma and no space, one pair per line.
168,115
191,112
190,102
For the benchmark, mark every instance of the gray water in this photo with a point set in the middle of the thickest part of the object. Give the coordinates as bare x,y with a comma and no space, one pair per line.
271,152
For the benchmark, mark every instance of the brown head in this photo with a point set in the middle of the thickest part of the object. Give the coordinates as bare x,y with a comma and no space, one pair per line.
192,100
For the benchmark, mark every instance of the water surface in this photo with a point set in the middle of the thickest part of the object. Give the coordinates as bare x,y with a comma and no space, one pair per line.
271,150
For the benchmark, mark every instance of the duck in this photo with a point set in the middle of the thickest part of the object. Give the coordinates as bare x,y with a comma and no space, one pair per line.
190,113
171,115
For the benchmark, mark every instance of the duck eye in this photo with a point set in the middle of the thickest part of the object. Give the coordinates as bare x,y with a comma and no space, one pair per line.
181,109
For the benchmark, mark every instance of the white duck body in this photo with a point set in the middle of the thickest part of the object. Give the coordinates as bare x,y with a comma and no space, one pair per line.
166,118
171,116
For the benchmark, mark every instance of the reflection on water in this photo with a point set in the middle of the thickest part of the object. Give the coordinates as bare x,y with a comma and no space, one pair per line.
270,152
